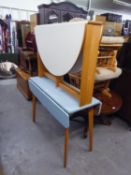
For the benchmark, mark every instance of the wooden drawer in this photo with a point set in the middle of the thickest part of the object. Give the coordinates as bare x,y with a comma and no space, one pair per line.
22,83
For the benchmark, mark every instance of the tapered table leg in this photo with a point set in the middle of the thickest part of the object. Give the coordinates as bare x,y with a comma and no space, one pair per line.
33,108
91,126
66,146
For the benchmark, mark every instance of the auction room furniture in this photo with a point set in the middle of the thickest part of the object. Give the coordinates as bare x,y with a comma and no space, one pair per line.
106,70
59,12
59,50
28,60
22,83
23,27
27,68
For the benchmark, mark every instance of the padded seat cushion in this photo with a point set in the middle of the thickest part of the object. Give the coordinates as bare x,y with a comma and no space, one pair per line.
107,74
112,40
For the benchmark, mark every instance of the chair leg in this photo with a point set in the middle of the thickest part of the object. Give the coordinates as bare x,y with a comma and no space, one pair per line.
91,126
66,146
85,131
33,108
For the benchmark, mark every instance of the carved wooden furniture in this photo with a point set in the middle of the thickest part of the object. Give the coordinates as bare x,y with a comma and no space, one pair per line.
59,12
49,88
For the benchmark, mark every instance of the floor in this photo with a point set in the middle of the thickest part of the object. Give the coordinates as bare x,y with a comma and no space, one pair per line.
37,149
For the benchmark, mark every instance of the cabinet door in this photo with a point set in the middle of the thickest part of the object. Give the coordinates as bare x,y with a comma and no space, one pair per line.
51,16
66,15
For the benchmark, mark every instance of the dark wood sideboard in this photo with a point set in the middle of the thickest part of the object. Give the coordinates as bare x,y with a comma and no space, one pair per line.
59,12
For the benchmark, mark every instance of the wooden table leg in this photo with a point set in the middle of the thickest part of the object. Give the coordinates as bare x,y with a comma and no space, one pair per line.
66,146
33,108
85,131
91,126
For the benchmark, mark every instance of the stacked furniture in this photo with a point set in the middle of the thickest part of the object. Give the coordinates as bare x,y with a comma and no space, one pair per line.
28,60
60,12
27,68
106,70
56,60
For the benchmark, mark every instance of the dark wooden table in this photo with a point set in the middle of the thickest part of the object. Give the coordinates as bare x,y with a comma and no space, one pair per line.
110,105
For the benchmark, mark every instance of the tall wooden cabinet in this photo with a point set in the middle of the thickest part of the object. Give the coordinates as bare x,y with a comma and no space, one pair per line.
59,12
